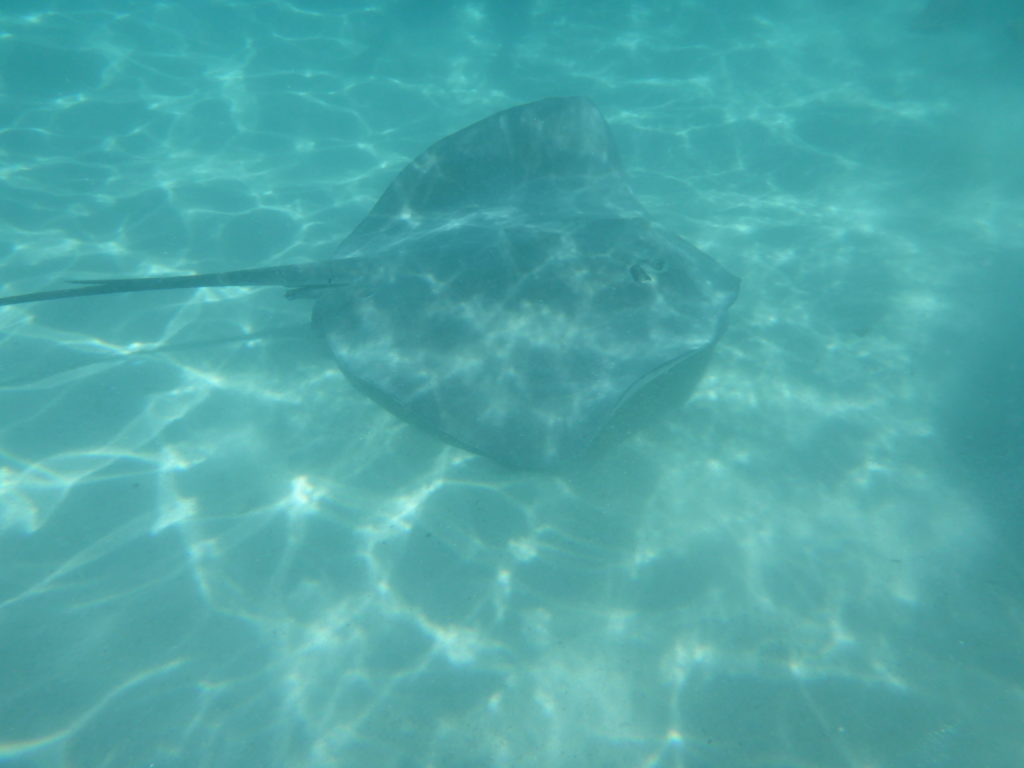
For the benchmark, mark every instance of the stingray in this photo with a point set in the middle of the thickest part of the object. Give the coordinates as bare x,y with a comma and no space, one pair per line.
507,292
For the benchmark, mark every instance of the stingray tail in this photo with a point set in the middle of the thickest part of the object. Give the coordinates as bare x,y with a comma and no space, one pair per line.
299,278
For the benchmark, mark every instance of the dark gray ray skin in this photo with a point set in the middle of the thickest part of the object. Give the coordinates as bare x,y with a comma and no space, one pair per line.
507,291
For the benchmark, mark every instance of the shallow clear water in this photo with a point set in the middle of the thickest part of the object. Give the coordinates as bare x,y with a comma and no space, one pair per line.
214,552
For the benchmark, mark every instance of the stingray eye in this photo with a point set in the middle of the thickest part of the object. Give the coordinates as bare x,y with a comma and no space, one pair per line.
640,275
658,265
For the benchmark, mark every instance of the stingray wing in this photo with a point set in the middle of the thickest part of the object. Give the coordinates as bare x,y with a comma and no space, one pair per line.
515,158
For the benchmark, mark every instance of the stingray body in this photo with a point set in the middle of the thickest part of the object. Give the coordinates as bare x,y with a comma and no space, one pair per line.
506,292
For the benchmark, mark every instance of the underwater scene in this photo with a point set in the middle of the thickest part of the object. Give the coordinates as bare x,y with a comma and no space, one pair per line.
610,384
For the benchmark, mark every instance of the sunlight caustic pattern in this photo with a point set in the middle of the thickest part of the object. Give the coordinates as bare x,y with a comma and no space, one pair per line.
214,552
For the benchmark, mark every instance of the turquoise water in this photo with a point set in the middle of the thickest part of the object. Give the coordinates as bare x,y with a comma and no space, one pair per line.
214,552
